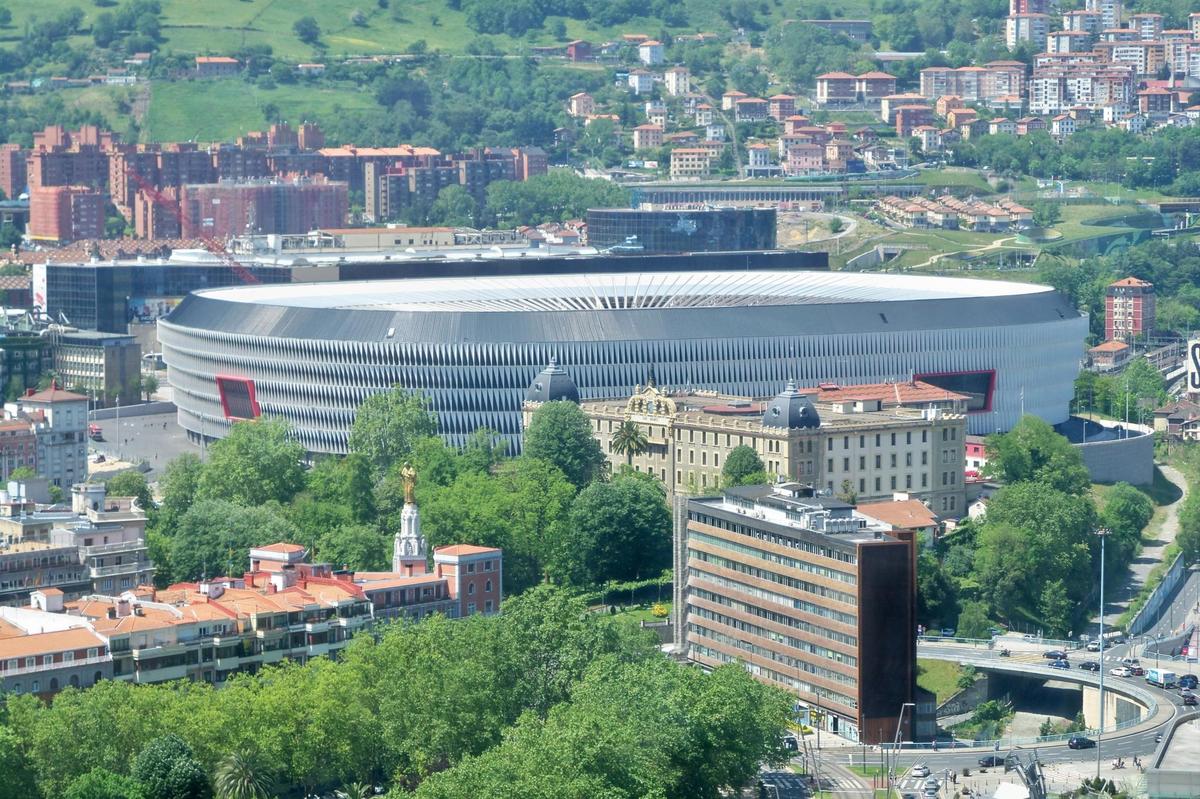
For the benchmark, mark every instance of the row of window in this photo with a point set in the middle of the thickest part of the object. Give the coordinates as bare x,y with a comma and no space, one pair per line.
697,630
802,605
779,638
35,687
790,681
774,577
765,535
31,661
783,560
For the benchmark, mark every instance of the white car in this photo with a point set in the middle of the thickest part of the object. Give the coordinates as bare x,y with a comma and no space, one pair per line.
1121,671
920,770
1094,646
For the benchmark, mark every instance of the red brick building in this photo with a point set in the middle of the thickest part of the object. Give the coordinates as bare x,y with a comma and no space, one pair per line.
63,214
472,575
1129,310
263,206
13,170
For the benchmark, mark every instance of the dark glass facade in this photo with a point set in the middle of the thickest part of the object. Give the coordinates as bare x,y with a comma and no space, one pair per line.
707,230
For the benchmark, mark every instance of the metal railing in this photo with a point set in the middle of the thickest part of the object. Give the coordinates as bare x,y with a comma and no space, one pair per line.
58,665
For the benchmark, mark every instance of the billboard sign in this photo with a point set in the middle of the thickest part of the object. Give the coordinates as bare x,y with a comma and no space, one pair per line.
1193,366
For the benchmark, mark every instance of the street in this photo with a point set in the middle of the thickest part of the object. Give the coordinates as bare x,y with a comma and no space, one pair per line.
156,439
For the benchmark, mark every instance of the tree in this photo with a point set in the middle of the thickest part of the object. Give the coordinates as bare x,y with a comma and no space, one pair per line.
619,530
258,461
167,769
553,197
149,386
240,777
743,467
835,225
214,535
131,483
936,601
629,440
454,207
22,473
561,434
359,547
100,783
973,621
180,484
1188,537
1056,609
5,17
307,30
387,424
18,782
1031,450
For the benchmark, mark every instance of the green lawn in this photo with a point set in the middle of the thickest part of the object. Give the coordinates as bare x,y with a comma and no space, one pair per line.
938,676
942,178
222,109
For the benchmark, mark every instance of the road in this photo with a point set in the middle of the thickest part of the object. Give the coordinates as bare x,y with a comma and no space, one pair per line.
156,439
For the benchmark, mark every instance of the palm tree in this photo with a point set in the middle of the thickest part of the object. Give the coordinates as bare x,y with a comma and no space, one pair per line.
239,777
629,440
357,790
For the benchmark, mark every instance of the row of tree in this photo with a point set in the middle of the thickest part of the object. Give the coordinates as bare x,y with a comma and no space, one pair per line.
544,699
1033,559
555,511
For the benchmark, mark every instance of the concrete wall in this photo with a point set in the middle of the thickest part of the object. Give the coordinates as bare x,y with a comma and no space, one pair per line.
1117,709
1151,612
1129,460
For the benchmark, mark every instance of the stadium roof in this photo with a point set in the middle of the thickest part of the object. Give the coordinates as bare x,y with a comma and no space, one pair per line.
622,306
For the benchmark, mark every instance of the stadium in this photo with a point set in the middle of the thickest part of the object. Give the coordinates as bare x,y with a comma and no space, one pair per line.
312,353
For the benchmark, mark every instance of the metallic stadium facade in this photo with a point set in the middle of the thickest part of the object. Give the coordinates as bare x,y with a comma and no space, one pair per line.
312,353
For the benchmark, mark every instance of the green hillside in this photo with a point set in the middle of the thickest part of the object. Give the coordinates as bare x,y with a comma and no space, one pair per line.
226,26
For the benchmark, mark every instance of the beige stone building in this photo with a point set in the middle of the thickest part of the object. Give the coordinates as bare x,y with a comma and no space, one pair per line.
869,442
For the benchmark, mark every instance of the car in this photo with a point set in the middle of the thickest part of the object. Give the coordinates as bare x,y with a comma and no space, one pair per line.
919,770
1190,700
948,632
790,743
932,782
1130,661
1080,742
1137,671
1055,654
1060,664
1090,665
988,761
1093,646
1121,671
1188,681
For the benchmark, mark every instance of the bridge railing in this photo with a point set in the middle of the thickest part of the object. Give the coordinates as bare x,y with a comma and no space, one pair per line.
1016,742
1000,641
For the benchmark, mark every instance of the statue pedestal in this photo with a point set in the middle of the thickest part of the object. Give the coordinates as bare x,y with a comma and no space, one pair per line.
408,547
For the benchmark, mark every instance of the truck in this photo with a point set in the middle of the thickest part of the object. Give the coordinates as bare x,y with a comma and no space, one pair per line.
1160,678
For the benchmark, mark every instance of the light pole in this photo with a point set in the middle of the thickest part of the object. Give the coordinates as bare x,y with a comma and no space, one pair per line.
896,747
1103,533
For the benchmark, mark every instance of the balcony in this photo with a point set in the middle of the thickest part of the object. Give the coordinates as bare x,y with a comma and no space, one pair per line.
316,627
119,569
163,674
55,666
114,549
313,650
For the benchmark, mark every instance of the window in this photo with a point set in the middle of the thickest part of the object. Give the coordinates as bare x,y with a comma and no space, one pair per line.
878,486
924,480
945,434
862,461
878,461
30,662
36,686
908,437
893,439
893,482
704,458
487,586
829,444
908,459
892,460
471,589
487,606
924,436
470,568
862,441
908,481
845,464
470,608
487,565
70,656
830,469
862,485
924,458
716,459
845,442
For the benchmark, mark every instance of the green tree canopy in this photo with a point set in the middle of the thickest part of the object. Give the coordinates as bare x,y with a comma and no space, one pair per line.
554,197
100,783
561,434
387,425
454,207
973,621
240,777
743,467
214,536
1033,451
257,462
629,440
619,530
131,483
167,769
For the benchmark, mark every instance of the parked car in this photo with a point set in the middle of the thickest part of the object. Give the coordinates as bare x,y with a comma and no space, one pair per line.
1060,664
988,761
948,632
1090,665
1055,654
1080,742
919,770
1188,681
1121,671
1093,646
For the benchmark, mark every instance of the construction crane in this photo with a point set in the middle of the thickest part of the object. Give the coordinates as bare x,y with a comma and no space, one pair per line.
175,208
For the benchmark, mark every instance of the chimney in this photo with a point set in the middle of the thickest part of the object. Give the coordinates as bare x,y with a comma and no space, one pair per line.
29,392
122,608
138,610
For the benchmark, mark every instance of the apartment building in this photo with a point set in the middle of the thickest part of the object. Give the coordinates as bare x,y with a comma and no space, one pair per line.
678,81
283,607
1083,22
59,421
62,214
14,176
690,162
263,206
1026,28
1146,57
1054,90
983,84
1129,309
852,444
806,594
836,88
1111,11
751,109
647,137
1069,42
781,106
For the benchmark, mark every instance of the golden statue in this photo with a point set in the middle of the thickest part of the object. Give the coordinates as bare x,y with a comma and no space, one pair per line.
409,475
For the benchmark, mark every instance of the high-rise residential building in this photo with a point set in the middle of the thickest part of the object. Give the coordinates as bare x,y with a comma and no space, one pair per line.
1129,311
234,208
983,84
806,594
62,214
13,170
1056,89
1111,11
678,81
1031,28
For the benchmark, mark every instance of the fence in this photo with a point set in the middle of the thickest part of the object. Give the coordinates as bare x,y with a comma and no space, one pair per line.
130,411
1151,611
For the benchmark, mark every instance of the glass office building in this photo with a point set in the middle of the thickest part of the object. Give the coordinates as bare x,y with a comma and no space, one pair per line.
705,230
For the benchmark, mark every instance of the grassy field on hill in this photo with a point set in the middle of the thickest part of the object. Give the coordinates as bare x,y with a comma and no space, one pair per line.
222,26
223,109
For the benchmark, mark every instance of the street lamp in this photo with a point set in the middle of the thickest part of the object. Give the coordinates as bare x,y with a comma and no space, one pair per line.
896,746
1103,533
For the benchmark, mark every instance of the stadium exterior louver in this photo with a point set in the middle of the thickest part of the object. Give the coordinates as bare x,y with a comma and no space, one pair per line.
312,353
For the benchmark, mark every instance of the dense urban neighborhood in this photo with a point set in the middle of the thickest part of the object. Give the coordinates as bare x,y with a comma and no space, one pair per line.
696,399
